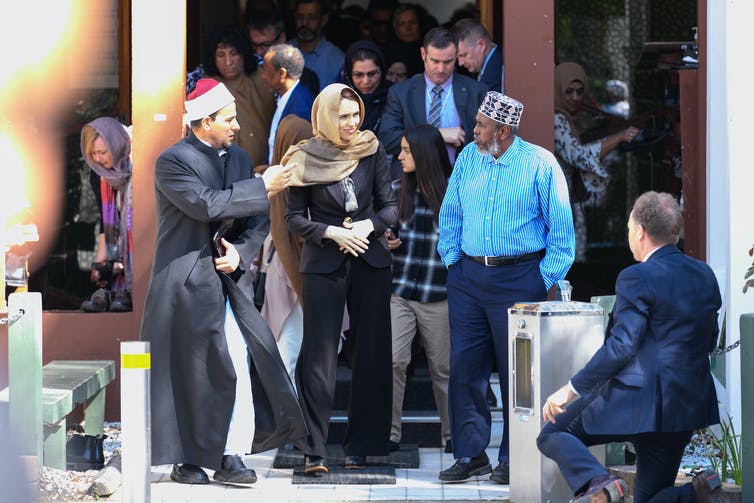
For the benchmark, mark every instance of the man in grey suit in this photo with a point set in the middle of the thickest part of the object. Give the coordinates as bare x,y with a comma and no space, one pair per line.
438,97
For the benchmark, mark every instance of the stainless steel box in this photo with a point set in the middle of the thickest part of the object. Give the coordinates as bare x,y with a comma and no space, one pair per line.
548,343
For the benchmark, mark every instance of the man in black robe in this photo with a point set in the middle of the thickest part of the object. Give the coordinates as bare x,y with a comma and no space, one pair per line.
211,350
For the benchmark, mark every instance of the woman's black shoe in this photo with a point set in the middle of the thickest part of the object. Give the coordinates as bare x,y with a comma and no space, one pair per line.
356,462
315,466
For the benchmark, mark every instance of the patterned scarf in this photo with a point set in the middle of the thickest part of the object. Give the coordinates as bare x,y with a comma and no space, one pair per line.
117,195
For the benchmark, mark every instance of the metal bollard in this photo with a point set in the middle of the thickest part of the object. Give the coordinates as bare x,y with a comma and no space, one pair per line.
136,422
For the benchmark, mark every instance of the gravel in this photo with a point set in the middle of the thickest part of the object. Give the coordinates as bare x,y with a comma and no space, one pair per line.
70,486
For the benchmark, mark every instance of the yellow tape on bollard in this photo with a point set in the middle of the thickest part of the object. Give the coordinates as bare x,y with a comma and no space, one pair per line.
136,361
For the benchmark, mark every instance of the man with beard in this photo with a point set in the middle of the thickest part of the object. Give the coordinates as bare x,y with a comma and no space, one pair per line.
212,353
506,236
321,56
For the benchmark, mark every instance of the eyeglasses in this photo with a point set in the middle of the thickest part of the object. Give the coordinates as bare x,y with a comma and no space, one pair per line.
578,91
265,45
361,75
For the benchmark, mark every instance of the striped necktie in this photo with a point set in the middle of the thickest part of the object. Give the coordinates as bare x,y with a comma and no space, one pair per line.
435,105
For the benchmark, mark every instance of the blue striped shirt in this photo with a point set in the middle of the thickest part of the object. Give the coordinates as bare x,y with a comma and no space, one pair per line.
509,206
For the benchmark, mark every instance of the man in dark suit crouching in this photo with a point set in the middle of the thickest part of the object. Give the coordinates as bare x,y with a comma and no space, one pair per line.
650,383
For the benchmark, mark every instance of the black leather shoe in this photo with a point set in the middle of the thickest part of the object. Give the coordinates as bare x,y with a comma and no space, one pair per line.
121,302
465,468
355,462
502,473
449,446
708,488
315,466
614,488
233,471
188,474
99,302
393,446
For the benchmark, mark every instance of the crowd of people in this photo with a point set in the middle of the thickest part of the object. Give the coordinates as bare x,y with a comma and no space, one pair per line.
355,194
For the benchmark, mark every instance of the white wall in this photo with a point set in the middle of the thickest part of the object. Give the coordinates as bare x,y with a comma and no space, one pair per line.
730,172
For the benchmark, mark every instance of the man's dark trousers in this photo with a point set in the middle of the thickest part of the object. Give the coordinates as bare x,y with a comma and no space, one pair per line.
478,302
658,456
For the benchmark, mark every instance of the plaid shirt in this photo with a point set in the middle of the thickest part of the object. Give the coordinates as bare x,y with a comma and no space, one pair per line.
418,272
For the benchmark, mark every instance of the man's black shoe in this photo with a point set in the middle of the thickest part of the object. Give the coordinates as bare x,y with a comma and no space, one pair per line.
315,466
188,474
465,468
708,488
449,446
393,446
355,462
502,473
233,471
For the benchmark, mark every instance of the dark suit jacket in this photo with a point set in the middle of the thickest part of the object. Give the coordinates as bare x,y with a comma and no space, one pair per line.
493,72
324,202
405,108
653,372
300,103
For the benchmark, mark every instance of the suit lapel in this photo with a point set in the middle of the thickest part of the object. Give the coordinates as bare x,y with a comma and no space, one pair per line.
336,193
460,98
416,95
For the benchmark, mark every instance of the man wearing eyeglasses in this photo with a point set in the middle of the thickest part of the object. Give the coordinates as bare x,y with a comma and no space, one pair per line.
267,29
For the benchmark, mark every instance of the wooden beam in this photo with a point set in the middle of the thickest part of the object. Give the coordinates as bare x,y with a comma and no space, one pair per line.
529,55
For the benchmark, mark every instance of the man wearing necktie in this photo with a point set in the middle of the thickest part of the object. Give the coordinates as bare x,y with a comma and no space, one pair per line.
438,96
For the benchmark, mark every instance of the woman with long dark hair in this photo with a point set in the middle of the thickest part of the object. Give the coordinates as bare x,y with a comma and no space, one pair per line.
419,303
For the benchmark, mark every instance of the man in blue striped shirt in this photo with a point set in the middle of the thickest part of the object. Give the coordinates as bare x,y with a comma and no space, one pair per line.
506,236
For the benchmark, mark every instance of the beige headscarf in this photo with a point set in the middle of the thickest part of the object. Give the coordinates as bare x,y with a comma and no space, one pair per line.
565,73
326,158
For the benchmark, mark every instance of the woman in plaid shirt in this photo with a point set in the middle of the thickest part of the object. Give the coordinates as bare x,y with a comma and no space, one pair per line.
419,304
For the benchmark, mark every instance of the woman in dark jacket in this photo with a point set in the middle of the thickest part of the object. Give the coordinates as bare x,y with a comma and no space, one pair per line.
341,202
365,72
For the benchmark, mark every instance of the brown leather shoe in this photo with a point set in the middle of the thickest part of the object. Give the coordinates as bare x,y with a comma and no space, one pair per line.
708,488
315,466
354,462
607,489
99,302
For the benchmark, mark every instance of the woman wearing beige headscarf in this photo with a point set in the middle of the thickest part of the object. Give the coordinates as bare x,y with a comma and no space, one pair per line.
581,162
341,203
